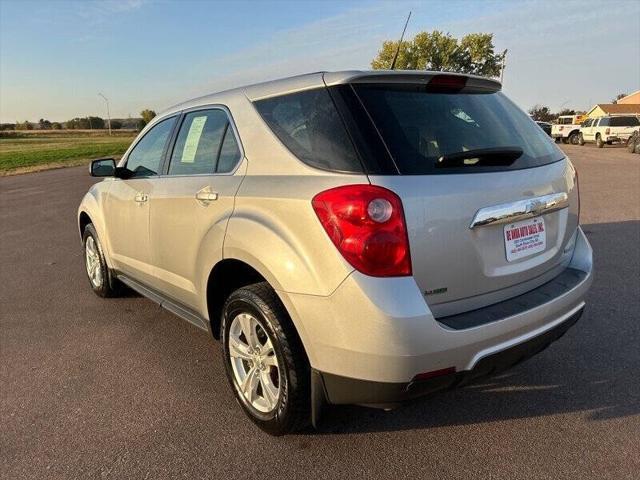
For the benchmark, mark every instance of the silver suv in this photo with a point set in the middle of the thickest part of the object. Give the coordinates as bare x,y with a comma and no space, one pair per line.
350,237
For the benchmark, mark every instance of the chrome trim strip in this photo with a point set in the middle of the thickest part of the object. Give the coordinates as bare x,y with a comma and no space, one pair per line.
512,212
527,336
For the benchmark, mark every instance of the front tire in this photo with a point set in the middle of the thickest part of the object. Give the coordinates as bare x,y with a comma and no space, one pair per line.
581,141
265,361
599,142
100,278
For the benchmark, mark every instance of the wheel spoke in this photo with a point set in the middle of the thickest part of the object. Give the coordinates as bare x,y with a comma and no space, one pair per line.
267,348
238,349
270,360
250,384
269,390
248,325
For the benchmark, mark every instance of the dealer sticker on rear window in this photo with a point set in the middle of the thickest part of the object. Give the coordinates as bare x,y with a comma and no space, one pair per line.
524,238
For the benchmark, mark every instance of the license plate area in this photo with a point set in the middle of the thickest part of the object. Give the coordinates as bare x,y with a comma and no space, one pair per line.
525,238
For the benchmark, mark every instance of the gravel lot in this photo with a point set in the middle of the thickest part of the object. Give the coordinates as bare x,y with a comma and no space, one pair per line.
93,388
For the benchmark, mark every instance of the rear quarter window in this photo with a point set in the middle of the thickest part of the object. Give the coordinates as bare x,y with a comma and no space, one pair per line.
309,125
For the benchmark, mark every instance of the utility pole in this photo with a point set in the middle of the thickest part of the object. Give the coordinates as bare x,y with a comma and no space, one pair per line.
108,113
504,63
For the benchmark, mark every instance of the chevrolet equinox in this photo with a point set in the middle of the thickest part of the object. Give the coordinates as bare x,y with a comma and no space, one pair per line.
349,237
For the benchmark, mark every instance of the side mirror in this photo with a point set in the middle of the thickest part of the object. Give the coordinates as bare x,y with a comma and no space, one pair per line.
104,167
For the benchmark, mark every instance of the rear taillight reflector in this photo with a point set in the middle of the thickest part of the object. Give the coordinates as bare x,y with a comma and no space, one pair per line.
434,373
367,225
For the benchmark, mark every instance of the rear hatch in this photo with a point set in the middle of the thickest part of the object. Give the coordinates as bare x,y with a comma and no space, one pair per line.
455,152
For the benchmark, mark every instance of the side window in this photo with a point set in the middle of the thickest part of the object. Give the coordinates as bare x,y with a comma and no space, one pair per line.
309,125
229,152
205,143
604,122
146,157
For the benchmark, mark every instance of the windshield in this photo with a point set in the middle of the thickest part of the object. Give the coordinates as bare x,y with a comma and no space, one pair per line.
419,127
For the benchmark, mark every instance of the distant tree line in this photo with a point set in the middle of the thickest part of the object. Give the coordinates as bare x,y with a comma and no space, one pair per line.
542,113
83,123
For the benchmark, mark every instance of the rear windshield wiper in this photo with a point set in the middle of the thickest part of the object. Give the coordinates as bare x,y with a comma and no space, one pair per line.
482,157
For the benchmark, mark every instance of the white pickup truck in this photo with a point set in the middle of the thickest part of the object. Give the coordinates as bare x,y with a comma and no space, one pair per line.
608,130
567,128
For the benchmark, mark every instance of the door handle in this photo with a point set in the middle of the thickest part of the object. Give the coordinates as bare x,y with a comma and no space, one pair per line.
141,197
205,196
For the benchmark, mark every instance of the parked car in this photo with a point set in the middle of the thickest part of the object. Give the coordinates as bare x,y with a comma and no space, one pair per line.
633,144
545,126
608,130
349,237
567,128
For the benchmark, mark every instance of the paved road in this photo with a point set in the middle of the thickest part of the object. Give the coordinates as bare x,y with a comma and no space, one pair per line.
94,388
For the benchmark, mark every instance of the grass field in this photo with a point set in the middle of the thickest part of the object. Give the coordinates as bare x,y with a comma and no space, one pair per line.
32,151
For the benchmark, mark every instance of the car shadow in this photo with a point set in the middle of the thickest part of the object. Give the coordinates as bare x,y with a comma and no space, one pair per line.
592,370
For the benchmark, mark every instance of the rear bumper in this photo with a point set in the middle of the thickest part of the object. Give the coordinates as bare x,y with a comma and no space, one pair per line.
343,390
373,336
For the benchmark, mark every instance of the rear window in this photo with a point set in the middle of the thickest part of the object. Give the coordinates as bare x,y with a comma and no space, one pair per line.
624,121
420,127
309,125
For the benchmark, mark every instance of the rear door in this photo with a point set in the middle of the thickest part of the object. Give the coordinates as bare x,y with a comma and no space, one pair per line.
458,265
191,204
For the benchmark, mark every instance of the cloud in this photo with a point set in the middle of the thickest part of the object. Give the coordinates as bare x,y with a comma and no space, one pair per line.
553,58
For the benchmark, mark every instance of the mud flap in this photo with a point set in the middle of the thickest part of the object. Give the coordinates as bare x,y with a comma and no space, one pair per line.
318,397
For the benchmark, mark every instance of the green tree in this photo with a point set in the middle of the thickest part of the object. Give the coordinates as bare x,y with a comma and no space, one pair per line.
116,124
439,51
618,97
541,113
26,125
56,126
147,115
566,111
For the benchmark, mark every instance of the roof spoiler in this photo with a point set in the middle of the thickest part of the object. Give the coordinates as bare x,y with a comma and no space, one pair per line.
465,83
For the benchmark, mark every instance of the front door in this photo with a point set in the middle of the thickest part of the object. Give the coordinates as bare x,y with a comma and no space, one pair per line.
127,204
191,204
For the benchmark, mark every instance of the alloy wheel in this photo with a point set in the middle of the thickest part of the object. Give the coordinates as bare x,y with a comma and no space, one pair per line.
92,261
254,363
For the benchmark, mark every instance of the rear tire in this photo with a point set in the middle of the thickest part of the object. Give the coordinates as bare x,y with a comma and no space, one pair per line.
574,138
631,143
599,142
102,281
264,360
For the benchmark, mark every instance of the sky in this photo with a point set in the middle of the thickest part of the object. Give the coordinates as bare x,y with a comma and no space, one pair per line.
56,56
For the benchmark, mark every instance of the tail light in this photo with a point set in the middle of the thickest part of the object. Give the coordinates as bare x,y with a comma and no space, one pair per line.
366,223
607,131
447,83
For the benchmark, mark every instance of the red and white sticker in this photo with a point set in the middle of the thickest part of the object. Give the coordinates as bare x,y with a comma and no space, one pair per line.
525,238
